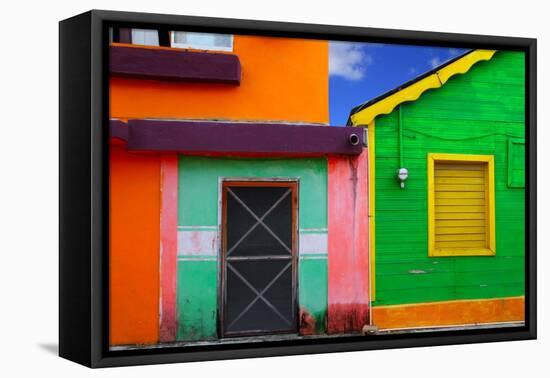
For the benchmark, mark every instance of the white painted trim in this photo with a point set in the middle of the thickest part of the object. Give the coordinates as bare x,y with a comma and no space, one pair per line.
197,228
187,258
193,243
314,230
313,243
314,257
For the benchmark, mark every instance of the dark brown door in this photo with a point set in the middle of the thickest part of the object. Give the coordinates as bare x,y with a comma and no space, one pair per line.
258,258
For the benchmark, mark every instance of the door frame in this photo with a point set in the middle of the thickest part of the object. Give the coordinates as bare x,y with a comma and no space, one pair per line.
290,182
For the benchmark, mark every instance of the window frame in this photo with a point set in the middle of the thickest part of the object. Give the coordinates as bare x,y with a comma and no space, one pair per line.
511,182
138,30
490,196
190,45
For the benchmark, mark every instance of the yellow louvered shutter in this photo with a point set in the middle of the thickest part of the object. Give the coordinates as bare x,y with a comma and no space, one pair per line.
461,214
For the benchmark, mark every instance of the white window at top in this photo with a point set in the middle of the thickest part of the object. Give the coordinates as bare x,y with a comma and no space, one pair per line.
147,37
202,41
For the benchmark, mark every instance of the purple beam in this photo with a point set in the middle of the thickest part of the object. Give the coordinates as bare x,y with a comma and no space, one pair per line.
119,130
241,138
174,65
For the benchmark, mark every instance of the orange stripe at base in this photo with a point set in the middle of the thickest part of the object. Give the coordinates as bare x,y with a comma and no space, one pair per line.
450,313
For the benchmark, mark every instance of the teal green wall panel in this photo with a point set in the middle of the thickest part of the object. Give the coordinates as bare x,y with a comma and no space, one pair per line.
313,290
475,113
199,185
197,300
198,201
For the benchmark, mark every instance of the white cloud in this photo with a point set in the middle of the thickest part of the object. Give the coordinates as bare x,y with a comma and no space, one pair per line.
412,70
348,60
435,61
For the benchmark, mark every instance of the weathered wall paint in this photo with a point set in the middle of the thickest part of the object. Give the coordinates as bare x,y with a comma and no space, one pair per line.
312,280
312,294
474,113
197,291
348,263
197,298
283,79
134,218
198,237
199,201
451,313
168,245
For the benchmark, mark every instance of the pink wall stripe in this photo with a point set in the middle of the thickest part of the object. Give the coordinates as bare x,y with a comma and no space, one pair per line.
168,246
348,252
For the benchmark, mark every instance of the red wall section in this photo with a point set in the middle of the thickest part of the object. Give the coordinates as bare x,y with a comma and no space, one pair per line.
283,79
134,247
348,252
169,246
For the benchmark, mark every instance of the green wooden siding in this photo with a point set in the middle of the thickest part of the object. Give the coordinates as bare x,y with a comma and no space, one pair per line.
198,190
475,113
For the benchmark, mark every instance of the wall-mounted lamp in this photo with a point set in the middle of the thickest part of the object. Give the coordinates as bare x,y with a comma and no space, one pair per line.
402,175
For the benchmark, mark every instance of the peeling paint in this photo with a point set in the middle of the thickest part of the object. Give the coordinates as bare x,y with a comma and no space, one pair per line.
307,323
353,178
348,263
348,317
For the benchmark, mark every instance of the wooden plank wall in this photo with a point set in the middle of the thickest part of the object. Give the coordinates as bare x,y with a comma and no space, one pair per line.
474,113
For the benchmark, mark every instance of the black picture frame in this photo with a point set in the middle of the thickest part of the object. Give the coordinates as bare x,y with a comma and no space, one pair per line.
83,196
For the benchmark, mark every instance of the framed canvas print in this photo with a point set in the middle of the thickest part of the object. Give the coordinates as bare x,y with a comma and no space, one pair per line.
233,188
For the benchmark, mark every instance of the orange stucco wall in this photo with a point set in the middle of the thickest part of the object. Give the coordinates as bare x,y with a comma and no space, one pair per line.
134,247
282,80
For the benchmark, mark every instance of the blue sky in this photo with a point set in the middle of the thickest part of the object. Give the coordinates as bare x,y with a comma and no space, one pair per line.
362,71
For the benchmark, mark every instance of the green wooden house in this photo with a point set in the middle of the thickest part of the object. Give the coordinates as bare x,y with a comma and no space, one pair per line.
447,244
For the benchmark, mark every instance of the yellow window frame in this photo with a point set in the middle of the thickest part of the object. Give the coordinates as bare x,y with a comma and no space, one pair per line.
489,194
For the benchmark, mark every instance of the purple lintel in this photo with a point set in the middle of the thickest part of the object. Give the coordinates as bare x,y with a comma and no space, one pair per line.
174,65
119,130
196,137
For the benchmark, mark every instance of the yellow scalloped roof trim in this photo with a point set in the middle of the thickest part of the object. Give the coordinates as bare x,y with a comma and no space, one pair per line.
415,90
